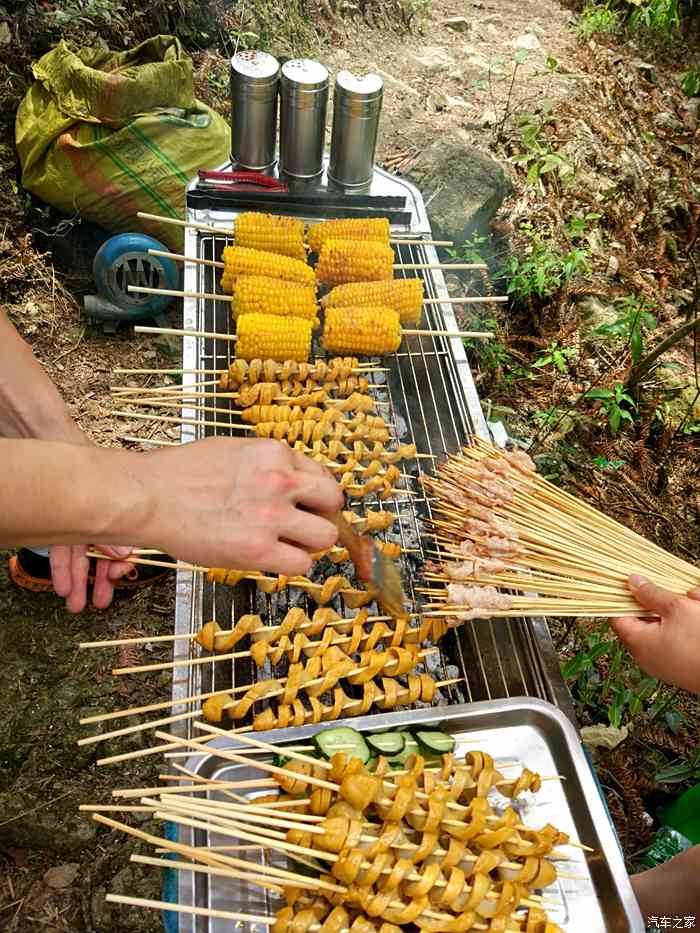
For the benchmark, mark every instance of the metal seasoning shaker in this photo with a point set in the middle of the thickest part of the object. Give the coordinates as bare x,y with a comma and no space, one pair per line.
303,103
254,85
356,108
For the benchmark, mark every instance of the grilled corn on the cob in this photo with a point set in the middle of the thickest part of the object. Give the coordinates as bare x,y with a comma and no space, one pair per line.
284,235
271,337
369,331
354,261
405,296
253,293
356,228
239,260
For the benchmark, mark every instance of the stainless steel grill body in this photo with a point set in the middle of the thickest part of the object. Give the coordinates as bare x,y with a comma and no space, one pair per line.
427,393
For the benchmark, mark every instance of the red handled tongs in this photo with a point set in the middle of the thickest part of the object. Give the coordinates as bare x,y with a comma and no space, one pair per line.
238,181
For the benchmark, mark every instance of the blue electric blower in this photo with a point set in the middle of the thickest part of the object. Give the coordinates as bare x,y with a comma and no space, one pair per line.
124,260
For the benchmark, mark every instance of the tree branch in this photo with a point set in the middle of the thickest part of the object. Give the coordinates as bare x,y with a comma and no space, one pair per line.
639,371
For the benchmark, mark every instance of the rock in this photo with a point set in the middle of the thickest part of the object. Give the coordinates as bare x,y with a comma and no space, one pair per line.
477,58
437,102
691,114
668,121
456,74
488,118
433,58
603,736
107,918
456,103
594,313
679,395
5,34
466,188
457,23
529,42
61,876
647,71
58,829
613,266
396,83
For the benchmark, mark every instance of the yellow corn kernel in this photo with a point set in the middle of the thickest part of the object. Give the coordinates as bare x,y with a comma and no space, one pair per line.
271,337
367,331
257,293
405,296
284,235
238,260
354,261
356,228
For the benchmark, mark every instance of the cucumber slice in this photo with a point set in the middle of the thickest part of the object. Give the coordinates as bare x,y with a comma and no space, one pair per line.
387,743
372,764
410,747
436,743
342,739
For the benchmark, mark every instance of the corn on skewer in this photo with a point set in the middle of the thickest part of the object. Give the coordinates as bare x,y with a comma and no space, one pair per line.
405,296
229,232
357,299
388,320
264,336
344,261
373,331
238,260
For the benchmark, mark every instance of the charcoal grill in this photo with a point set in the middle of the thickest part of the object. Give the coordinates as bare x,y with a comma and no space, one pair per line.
428,395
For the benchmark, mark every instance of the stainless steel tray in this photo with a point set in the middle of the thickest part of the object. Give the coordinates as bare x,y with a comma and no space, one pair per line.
527,730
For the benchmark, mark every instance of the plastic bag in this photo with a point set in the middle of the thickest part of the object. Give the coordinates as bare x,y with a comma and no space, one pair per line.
108,134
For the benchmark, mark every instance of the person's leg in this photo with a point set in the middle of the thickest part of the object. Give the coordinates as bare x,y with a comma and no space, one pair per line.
671,889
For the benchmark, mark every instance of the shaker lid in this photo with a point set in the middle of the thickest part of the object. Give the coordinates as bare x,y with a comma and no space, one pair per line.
256,65
364,86
305,71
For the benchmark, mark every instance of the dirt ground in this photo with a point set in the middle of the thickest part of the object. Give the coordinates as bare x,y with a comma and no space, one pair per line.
452,75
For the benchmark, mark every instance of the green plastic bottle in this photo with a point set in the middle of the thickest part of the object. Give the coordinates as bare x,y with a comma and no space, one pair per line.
679,830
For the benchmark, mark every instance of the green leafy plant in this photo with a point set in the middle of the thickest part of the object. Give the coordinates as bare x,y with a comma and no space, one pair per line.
656,15
617,404
539,157
550,417
622,693
690,83
596,19
633,320
606,464
471,250
684,769
545,269
579,225
557,356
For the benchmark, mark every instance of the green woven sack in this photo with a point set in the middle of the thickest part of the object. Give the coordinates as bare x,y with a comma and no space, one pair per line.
108,134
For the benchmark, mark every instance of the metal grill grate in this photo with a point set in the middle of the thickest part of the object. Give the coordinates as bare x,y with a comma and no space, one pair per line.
427,396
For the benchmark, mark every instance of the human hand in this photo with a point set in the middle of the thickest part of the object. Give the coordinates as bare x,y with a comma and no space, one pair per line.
667,647
249,504
69,574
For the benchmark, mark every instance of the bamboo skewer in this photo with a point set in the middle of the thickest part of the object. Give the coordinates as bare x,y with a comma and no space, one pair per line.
196,568
290,752
472,299
229,232
179,332
188,909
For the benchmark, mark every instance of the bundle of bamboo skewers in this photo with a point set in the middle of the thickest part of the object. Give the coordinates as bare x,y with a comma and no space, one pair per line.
383,850
511,544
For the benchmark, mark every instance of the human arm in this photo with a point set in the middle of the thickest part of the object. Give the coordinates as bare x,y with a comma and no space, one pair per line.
30,404
31,407
671,889
245,504
667,646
